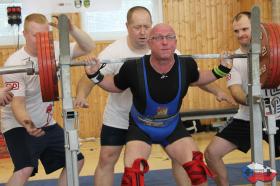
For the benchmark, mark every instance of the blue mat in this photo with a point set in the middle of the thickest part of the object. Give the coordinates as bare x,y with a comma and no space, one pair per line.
161,177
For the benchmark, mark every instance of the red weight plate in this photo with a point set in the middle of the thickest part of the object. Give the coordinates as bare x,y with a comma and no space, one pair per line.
273,55
40,55
268,70
275,66
264,57
269,66
54,69
277,34
45,88
48,68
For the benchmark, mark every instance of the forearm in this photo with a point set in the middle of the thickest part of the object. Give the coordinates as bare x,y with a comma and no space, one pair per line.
22,116
241,99
84,87
83,40
19,110
211,88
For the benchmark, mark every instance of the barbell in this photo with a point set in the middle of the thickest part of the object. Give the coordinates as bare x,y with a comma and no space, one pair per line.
46,66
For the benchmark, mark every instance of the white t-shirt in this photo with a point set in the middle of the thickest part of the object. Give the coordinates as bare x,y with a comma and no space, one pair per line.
29,87
239,75
118,104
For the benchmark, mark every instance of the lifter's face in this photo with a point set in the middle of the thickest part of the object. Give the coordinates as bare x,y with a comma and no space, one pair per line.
162,41
242,31
138,28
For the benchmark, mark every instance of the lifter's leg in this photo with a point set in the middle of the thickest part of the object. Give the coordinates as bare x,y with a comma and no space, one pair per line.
136,153
186,157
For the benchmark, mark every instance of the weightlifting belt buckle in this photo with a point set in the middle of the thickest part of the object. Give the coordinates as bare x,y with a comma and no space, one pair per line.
156,122
151,123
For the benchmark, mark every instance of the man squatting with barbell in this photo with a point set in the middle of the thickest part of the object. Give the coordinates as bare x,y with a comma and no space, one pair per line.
154,115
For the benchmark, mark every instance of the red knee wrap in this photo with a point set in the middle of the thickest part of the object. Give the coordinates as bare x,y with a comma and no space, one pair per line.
134,176
197,170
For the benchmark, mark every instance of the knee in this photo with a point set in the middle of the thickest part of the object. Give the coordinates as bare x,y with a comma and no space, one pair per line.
134,175
197,169
207,154
210,154
108,158
25,172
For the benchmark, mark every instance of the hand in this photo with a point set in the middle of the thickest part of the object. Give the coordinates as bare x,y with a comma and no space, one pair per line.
92,65
55,23
81,103
32,130
6,95
221,96
226,61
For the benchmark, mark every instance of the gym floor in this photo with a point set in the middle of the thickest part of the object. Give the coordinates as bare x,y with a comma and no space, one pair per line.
158,159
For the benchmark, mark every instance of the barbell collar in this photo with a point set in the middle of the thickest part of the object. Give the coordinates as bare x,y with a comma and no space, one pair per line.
27,68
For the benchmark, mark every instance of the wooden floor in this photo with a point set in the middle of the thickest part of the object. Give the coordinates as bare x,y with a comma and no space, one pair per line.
157,160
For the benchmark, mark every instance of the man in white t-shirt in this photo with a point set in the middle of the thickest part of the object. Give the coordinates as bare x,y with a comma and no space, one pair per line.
27,124
116,114
236,135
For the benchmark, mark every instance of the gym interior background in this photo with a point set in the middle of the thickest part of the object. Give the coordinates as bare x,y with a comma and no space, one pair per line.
202,26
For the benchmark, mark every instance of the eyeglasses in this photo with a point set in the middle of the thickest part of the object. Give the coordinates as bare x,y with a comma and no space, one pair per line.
161,38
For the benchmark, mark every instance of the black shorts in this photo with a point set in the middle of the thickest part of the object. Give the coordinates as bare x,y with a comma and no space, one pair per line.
238,132
26,150
135,133
111,136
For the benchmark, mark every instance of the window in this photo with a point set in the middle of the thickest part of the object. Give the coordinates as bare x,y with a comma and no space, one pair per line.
102,25
110,25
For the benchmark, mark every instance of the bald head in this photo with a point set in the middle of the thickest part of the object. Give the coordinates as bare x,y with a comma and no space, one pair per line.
162,27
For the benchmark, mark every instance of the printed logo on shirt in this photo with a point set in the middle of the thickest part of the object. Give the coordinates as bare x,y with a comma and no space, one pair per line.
49,113
272,92
14,84
161,111
272,101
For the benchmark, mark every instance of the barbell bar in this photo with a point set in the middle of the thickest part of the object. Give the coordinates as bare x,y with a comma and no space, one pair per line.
31,67
46,66
194,56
